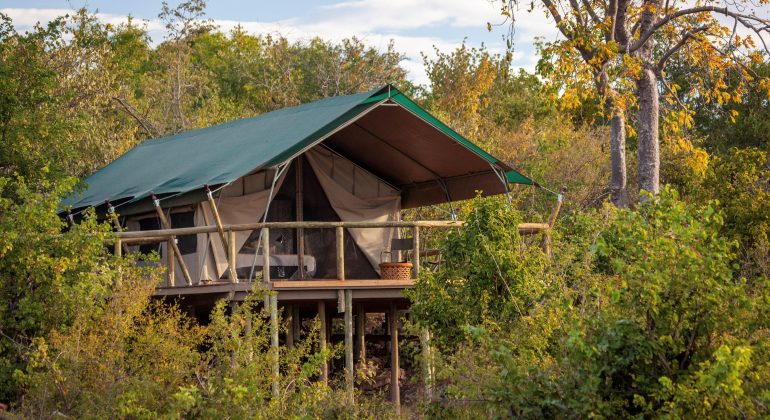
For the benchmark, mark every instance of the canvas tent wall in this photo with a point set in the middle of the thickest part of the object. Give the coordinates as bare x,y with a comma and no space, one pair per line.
334,189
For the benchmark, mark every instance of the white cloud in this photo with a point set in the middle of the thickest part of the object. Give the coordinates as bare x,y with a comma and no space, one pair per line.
26,18
376,22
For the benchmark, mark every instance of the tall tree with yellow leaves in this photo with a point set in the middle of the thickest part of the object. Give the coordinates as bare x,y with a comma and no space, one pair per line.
622,48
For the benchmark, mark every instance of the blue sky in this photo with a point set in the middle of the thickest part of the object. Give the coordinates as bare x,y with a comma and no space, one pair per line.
415,26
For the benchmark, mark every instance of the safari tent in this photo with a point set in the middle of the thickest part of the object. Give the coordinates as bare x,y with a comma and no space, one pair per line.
304,203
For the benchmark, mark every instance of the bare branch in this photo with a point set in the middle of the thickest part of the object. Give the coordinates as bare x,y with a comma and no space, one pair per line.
130,111
686,36
577,13
752,22
591,12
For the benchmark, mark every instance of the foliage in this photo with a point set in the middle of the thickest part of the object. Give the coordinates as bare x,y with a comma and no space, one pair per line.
47,276
657,311
661,329
121,358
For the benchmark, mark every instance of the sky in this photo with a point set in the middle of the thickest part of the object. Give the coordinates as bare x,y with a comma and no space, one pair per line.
415,26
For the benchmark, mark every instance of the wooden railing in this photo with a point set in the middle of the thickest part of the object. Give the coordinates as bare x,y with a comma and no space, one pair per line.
227,236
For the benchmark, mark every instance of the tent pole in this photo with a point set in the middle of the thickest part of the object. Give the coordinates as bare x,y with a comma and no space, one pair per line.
300,217
114,216
278,173
221,230
172,240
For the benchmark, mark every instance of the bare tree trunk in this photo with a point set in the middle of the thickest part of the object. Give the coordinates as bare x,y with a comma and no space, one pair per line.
648,153
618,192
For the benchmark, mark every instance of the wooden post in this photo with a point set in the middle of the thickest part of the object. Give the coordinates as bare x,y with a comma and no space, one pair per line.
322,340
427,361
416,251
232,257
288,311
296,322
552,222
273,297
300,210
395,387
172,240
340,253
118,247
349,344
171,270
361,333
266,255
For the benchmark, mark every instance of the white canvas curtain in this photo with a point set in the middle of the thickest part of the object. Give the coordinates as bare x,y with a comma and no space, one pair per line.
357,195
244,201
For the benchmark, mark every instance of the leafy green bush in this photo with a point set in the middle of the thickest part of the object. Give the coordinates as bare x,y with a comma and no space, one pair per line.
653,321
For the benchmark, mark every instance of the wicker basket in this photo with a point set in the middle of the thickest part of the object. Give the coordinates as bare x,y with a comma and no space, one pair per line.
396,270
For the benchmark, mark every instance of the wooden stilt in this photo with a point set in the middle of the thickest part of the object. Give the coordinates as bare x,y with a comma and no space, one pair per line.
274,344
288,313
118,247
427,361
361,334
349,379
395,387
296,323
322,334
115,222
172,240
552,222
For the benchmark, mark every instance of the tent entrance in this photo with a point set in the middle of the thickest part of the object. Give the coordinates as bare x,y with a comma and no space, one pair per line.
319,244
318,186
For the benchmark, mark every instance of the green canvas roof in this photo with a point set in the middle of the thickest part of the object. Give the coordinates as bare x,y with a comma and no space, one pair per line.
223,153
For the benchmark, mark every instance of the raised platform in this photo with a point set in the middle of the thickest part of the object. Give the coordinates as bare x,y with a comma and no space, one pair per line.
321,289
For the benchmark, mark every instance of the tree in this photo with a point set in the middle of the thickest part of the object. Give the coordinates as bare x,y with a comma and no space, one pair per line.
624,46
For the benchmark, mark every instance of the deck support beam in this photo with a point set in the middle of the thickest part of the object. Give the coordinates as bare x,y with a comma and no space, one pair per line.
322,331
427,361
349,378
274,348
296,323
395,387
361,334
288,311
